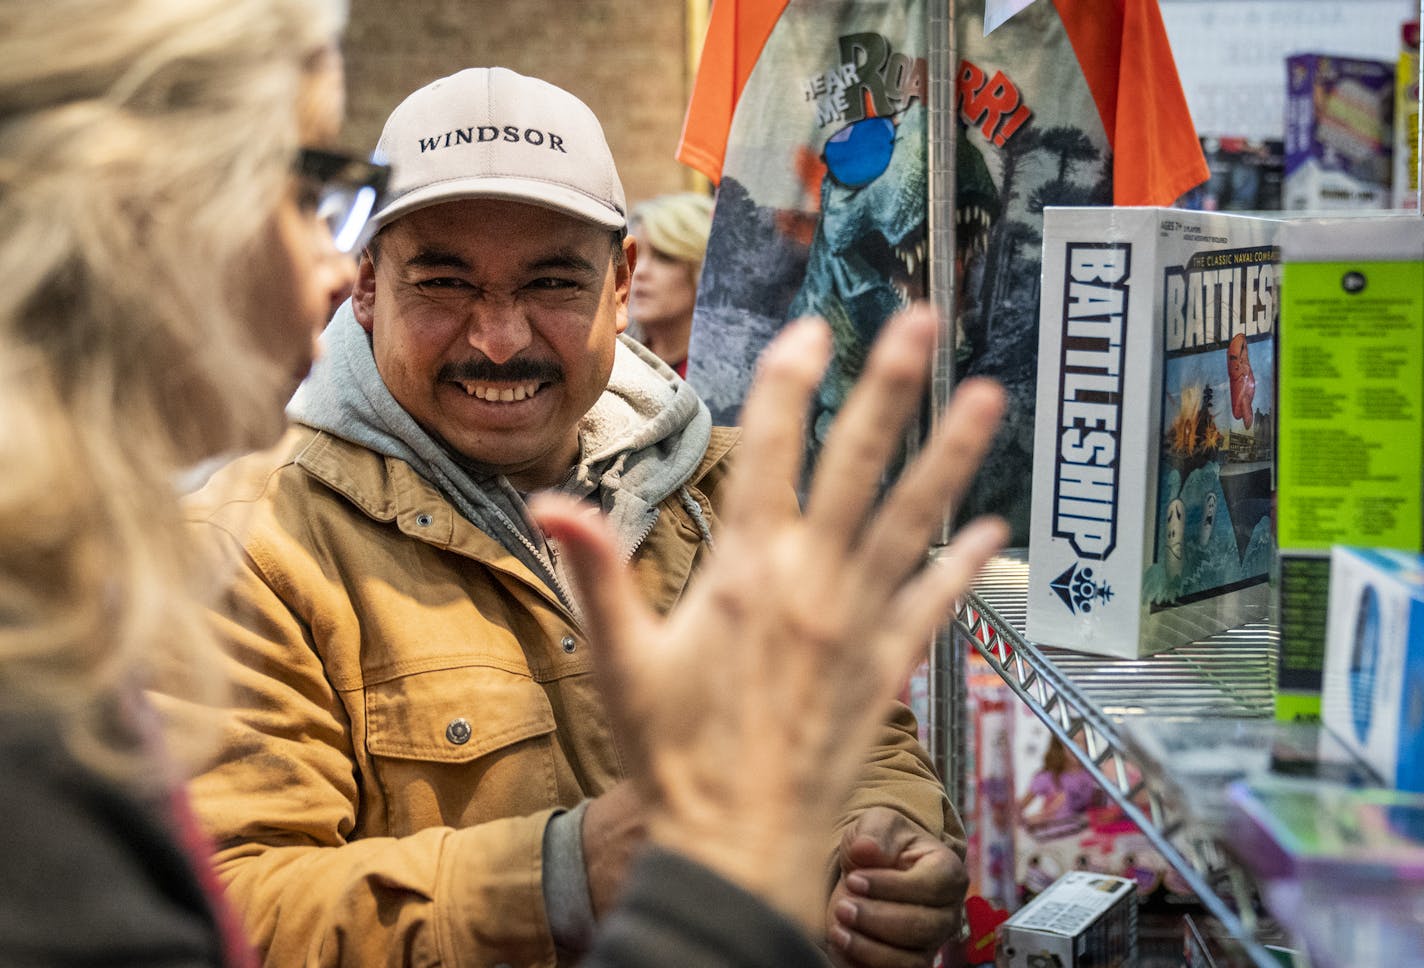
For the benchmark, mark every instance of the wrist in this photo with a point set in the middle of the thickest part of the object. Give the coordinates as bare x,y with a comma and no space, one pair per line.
785,869
567,902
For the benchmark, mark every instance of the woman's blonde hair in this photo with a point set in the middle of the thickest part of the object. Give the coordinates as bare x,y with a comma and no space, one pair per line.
677,225
144,146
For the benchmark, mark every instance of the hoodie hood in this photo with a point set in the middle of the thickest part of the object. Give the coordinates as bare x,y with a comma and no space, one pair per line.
641,441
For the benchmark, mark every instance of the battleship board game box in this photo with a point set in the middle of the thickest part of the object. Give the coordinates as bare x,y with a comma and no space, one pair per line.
1155,431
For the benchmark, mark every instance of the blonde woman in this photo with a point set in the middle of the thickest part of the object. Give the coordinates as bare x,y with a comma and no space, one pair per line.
671,232
160,173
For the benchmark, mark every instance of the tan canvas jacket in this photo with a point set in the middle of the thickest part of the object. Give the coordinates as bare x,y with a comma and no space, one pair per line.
410,705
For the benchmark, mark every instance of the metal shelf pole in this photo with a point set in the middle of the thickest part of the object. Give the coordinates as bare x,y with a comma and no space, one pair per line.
946,665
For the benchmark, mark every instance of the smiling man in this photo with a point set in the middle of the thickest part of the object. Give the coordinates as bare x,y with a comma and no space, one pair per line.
418,768
494,324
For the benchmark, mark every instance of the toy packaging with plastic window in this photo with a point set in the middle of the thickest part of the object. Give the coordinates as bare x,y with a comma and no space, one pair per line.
1374,661
1341,867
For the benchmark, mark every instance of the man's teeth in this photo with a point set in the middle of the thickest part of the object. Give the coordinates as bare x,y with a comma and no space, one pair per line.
501,394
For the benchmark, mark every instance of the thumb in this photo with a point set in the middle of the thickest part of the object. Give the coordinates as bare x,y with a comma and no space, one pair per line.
876,839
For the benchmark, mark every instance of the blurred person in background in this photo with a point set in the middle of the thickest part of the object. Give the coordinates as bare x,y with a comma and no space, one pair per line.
671,231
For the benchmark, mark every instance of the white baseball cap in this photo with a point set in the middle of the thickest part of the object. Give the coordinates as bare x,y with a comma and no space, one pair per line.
488,132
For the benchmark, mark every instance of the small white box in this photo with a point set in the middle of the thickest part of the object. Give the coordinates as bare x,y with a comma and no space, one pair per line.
1082,920
1374,661
1154,433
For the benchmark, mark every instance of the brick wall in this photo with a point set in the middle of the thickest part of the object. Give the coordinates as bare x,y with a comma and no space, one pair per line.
625,58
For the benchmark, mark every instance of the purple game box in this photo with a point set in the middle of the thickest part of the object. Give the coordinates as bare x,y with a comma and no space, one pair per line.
1339,132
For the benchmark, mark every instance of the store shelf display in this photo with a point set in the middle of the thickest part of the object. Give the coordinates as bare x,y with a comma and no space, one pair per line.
1195,681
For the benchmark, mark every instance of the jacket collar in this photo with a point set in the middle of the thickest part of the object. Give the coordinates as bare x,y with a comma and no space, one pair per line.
388,489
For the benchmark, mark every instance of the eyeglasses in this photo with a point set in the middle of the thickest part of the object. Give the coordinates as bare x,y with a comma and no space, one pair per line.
860,152
345,191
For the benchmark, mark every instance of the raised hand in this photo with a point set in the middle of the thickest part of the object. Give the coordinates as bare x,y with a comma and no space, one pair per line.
748,710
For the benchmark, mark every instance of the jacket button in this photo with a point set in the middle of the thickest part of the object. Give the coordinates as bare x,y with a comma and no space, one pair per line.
424,520
458,732
568,643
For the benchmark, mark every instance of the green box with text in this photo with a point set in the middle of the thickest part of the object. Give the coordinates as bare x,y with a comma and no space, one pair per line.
1351,419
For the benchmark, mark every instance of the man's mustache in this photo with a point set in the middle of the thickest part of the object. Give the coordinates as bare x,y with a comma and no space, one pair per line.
514,371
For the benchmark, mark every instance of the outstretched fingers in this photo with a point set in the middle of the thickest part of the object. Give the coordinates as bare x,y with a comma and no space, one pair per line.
774,425
925,601
869,428
933,484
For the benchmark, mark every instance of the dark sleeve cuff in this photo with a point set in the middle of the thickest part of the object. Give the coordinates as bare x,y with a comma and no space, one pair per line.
565,881
677,912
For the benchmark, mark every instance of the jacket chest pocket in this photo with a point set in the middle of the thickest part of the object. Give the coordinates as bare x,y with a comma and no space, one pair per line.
456,747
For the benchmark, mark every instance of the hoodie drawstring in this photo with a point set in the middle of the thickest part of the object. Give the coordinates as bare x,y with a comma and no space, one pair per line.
694,510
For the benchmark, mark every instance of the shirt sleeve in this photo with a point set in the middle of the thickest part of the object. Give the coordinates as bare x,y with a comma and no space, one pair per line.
1123,50
566,896
676,912
736,33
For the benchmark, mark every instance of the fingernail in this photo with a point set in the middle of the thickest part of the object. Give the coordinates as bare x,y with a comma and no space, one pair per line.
847,911
840,937
858,883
